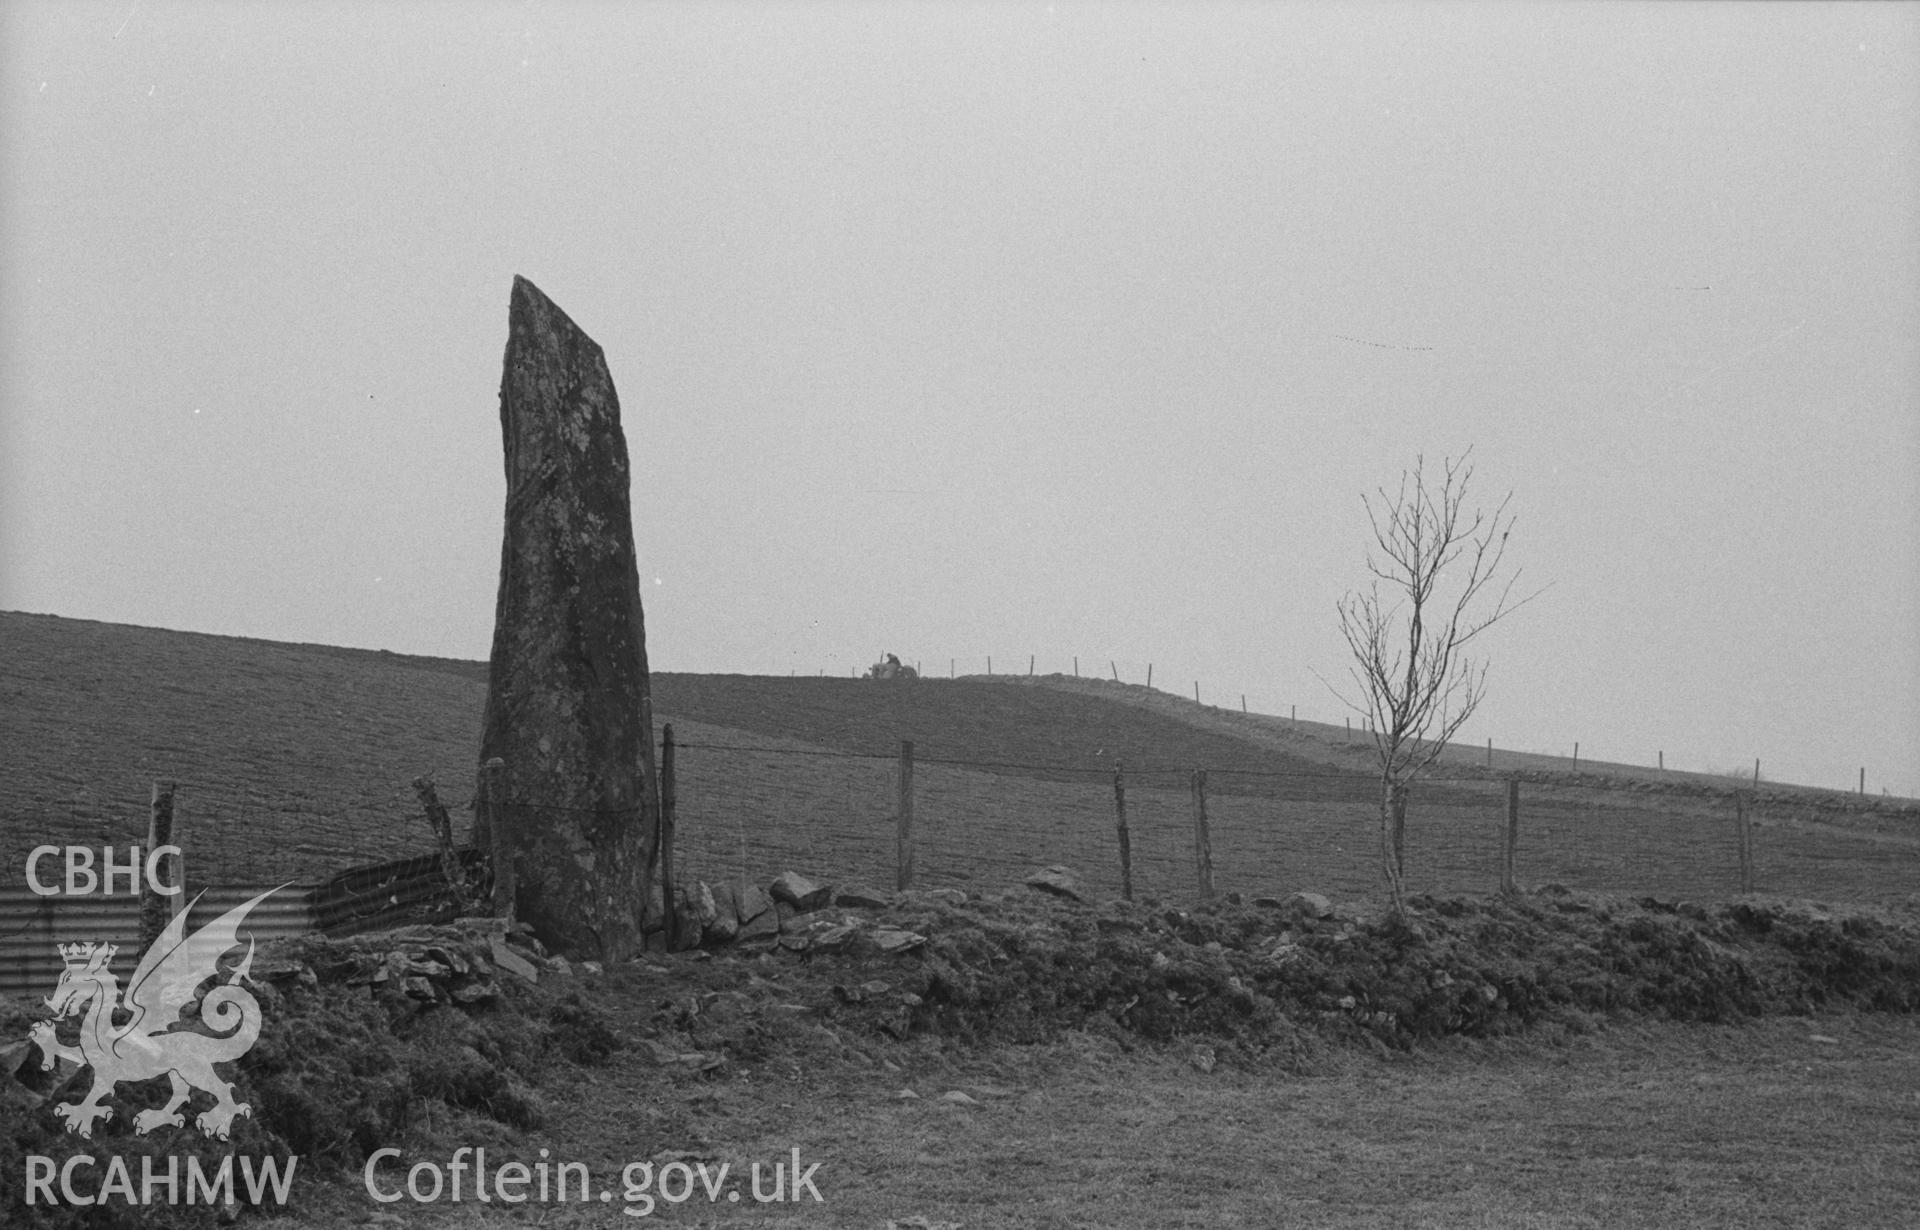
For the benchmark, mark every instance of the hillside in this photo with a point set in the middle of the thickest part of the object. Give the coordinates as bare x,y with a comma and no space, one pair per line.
1025,1026
296,761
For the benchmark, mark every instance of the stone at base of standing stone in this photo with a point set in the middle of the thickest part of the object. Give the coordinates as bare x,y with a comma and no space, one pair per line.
800,892
1058,881
750,902
766,922
726,920
705,908
1311,905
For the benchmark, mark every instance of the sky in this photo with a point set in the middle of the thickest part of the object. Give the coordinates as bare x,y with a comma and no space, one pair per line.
1049,330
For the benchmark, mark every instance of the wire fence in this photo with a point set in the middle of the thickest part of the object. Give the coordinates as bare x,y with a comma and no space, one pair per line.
749,809
1176,681
273,830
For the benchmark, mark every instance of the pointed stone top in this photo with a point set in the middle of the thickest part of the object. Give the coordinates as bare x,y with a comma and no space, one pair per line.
524,289
537,323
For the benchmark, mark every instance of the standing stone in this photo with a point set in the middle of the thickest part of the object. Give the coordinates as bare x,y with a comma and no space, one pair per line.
568,706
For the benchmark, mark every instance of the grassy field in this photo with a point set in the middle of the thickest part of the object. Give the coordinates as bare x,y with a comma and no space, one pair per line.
296,761
1651,1126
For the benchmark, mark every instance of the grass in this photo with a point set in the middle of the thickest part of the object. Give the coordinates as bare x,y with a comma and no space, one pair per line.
296,761
1557,1060
1754,1125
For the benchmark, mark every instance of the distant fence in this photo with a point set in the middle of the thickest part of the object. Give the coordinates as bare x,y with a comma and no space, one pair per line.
750,809
1175,681
746,809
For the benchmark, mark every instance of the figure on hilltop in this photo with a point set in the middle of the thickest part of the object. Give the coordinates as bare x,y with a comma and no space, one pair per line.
890,667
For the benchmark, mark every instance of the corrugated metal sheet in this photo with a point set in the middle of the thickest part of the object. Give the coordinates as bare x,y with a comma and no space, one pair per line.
390,894
32,926
369,898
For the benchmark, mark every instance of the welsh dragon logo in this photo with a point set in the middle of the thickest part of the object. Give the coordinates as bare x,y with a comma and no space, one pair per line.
149,1041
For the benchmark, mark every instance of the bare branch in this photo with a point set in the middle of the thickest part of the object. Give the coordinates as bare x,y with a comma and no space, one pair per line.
1445,565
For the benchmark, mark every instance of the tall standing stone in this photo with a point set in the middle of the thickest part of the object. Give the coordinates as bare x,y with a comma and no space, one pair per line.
568,705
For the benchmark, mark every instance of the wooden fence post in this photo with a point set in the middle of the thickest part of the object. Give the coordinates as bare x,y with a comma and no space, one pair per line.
1508,883
1114,667
1202,839
1489,753
1576,754
1149,674
1196,691
499,844
1745,832
156,911
1126,840
1030,666
442,825
903,841
669,904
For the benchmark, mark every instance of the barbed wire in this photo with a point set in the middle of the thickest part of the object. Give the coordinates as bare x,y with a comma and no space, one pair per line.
1128,768
1629,835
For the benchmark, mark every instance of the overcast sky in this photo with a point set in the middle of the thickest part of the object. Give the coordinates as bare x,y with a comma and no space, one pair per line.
1003,329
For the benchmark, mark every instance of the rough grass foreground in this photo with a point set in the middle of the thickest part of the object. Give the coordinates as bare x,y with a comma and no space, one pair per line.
342,1069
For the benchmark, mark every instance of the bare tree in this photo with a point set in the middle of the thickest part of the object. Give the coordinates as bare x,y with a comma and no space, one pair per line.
1436,586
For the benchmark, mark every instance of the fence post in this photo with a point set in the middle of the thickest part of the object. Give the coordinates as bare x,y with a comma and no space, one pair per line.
499,846
1076,666
1196,691
442,826
157,911
1111,665
1149,674
1030,666
1745,829
1202,839
1576,754
903,840
1489,753
1126,841
1863,779
1508,883
669,904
